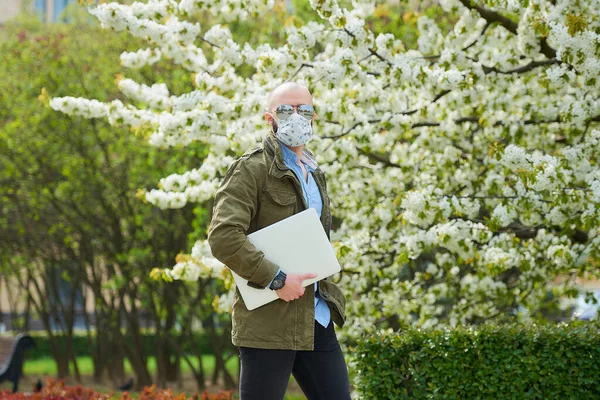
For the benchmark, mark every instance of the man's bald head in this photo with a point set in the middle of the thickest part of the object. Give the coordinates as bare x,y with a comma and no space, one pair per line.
288,93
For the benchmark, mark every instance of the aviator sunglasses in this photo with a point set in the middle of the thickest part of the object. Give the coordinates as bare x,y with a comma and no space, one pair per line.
285,111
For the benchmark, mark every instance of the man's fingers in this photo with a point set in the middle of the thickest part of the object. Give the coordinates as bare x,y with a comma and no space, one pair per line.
308,276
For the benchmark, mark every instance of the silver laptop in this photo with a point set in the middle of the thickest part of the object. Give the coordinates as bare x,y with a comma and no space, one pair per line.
297,244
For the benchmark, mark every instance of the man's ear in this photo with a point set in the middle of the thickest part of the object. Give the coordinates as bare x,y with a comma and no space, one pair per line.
271,121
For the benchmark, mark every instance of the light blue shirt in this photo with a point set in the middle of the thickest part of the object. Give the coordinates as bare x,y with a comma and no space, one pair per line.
313,200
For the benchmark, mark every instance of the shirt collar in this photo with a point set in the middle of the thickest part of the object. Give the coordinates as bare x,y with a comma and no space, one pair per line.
290,156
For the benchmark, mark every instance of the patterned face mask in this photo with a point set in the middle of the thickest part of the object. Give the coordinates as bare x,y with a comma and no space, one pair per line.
294,131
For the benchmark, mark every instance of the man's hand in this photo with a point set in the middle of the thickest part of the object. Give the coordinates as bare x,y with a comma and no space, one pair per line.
293,288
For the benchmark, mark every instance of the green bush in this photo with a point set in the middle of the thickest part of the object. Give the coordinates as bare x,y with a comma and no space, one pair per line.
82,348
489,362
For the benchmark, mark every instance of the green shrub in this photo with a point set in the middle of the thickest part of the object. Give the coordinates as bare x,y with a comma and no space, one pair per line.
489,362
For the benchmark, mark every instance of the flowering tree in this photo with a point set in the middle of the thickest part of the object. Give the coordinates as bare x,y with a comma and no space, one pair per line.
463,174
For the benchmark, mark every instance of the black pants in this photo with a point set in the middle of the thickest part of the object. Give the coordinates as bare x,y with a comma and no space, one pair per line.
322,374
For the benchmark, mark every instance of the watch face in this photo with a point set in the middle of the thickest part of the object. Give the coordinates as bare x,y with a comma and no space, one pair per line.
277,283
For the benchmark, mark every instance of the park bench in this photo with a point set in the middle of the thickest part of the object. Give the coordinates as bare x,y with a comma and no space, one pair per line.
12,351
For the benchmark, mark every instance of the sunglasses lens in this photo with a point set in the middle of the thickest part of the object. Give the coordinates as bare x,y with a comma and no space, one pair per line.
284,111
306,110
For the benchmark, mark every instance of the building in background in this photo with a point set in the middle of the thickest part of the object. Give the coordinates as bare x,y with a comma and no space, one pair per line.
48,10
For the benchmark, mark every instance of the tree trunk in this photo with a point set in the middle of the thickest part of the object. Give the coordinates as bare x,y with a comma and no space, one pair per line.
162,359
62,362
117,346
218,344
197,372
73,356
173,370
168,369
98,358
135,353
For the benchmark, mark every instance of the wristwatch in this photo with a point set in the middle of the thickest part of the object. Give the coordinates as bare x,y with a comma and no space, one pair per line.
278,281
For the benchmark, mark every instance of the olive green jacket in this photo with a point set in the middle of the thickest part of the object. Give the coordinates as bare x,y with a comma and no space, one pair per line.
259,190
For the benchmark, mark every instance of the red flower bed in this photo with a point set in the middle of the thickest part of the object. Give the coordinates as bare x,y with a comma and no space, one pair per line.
55,390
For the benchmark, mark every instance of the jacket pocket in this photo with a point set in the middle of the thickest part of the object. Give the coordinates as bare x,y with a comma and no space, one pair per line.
334,295
276,205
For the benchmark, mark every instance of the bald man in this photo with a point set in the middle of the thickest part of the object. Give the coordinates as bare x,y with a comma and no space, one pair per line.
294,334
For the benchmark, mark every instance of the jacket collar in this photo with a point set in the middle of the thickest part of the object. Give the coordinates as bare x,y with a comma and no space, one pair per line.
290,157
278,167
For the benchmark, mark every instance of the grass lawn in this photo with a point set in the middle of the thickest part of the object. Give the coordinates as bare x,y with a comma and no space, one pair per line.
46,366
43,368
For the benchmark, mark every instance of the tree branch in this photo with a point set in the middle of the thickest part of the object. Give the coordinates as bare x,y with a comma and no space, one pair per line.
371,50
487,25
522,69
382,159
210,43
507,23
492,16
460,120
376,54
373,121
298,71
347,131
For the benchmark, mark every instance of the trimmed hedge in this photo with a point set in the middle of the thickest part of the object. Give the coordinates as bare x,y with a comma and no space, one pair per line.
490,362
80,343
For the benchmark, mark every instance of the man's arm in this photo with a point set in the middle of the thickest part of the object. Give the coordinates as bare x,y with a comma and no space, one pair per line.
235,205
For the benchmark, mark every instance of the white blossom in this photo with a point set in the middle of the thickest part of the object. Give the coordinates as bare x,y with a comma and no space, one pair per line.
445,161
